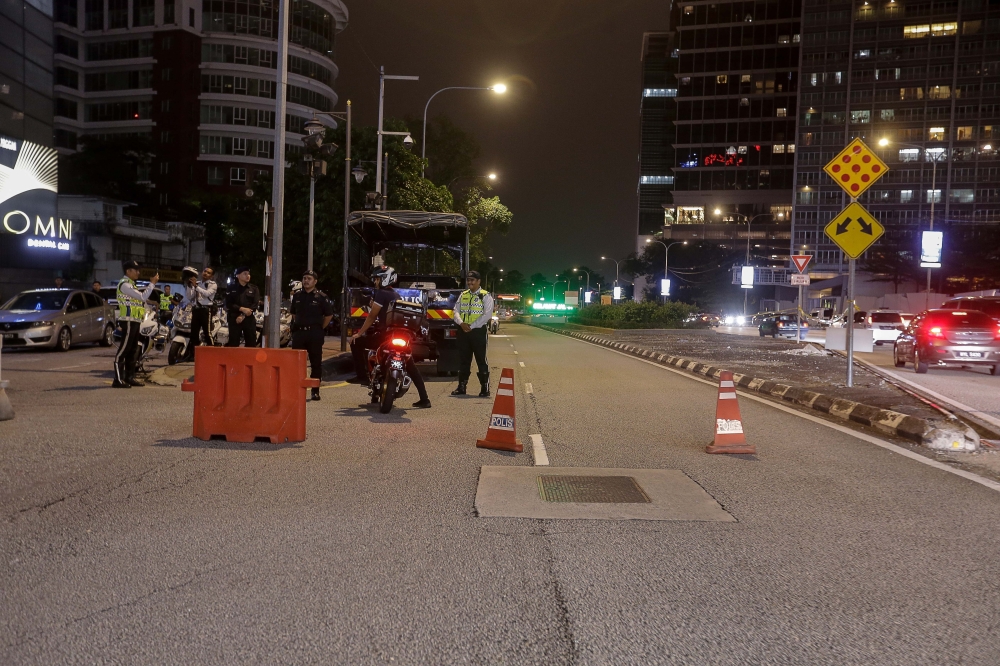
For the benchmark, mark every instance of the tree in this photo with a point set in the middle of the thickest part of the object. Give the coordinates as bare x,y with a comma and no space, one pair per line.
117,168
514,282
451,151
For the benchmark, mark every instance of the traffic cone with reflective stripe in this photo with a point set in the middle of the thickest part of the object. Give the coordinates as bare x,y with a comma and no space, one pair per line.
729,436
500,435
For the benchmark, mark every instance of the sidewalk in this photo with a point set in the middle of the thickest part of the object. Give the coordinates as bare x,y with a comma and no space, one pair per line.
335,362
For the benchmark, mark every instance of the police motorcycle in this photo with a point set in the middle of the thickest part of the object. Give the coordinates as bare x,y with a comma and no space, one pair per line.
494,325
388,380
153,336
181,350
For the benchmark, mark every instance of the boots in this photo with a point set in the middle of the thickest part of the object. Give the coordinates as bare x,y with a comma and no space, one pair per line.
461,388
315,394
484,381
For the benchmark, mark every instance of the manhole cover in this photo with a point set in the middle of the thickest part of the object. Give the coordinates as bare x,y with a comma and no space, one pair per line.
591,489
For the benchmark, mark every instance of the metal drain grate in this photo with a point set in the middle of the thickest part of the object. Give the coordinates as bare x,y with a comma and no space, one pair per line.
591,489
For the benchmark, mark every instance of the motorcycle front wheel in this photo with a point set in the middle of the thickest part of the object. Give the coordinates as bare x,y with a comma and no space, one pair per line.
388,395
174,354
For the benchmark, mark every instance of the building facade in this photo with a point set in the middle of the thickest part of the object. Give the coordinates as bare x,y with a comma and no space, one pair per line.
196,78
657,112
737,81
921,76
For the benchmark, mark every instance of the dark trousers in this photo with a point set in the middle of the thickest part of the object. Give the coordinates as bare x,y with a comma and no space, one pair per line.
472,344
359,350
247,330
201,316
125,358
312,342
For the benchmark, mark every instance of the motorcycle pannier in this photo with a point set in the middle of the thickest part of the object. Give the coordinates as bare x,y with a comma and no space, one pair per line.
402,314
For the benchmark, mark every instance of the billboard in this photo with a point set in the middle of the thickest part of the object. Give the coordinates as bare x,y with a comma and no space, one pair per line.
664,287
931,247
31,233
746,277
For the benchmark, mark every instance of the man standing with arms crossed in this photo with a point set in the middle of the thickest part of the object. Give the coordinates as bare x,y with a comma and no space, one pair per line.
201,295
242,300
473,311
311,313
131,310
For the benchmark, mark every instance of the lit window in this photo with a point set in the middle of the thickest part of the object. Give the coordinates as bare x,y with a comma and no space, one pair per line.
862,53
742,150
685,80
933,196
813,79
909,154
744,78
656,180
934,154
935,134
905,196
795,38
791,148
964,133
688,10
781,112
659,92
783,39
778,148
943,29
722,78
861,116
916,31
887,114
939,92
744,101
961,196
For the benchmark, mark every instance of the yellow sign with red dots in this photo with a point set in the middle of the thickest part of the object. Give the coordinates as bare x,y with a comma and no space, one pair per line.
856,168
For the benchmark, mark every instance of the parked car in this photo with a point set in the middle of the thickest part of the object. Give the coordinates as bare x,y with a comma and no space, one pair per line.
885,325
949,337
784,325
56,318
988,304
824,315
907,318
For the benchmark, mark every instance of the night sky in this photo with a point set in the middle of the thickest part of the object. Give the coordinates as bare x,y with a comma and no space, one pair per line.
564,139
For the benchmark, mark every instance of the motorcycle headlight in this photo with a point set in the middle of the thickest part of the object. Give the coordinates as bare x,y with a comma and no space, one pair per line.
42,324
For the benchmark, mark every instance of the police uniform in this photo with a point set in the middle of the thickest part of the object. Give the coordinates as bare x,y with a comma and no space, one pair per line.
131,311
474,308
165,303
242,296
309,309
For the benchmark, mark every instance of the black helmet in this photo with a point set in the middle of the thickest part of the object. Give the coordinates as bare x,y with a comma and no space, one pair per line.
385,273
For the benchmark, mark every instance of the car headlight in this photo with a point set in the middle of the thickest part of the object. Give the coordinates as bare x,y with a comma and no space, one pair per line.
42,324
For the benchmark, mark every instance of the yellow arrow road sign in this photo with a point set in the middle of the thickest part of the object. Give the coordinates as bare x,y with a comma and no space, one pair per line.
854,230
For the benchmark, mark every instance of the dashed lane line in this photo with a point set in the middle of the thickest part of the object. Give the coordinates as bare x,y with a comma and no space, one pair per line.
538,450
521,363
906,453
515,353
528,388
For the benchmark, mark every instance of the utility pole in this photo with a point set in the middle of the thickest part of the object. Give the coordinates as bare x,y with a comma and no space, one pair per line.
272,297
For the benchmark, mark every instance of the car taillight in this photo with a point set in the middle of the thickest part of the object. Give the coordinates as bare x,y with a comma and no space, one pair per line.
399,342
936,332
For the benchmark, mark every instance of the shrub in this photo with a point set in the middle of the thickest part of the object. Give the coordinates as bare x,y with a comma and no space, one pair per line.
634,315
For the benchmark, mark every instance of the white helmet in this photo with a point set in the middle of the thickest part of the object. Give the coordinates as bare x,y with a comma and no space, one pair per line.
385,273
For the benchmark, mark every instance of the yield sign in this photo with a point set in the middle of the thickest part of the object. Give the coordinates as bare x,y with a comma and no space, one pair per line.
801,261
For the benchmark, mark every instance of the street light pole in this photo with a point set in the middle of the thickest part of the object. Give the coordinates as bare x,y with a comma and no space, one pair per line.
272,297
499,89
666,254
382,76
927,299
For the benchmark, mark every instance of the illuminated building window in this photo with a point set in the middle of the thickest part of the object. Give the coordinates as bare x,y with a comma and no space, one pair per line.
964,133
744,78
936,134
916,31
905,196
781,112
778,148
934,196
909,155
943,29
656,180
722,78
659,92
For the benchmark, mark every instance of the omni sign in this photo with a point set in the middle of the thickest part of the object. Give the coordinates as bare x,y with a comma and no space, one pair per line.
18,222
28,208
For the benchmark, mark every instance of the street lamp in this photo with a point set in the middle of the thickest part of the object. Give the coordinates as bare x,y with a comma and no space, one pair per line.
749,221
492,177
498,88
666,254
580,270
407,141
935,156
554,288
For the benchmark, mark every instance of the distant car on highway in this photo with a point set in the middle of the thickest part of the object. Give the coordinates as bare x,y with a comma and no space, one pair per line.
784,325
885,325
56,318
949,337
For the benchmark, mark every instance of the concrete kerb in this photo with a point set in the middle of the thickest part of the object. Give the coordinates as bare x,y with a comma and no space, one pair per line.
926,432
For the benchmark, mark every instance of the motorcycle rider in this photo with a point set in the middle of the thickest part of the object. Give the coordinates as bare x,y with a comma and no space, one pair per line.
131,310
472,313
241,303
202,298
383,277
311,313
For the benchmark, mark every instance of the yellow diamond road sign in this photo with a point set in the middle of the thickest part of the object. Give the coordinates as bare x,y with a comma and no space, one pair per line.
856,168
854,230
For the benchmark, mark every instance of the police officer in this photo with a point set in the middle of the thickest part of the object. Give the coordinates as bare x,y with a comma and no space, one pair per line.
472,313
165,301
311,313
383,278
131,310
201,295
241,303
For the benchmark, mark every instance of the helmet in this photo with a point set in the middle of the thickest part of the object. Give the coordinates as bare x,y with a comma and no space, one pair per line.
385,273
188,272
295,286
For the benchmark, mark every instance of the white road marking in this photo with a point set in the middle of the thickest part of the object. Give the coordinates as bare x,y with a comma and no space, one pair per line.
538,450
70,367
975,478
521,363
515,352
528,389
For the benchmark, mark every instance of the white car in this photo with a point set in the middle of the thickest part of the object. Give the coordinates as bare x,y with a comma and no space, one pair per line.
886,325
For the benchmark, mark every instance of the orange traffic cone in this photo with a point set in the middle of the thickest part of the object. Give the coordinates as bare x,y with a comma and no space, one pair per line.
500,435
728,423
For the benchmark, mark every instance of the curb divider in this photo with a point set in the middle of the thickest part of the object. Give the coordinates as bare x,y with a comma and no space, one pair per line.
919,430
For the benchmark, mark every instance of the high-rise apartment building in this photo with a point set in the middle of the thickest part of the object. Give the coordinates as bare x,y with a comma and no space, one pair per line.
657,130
736,79
924,76
196,77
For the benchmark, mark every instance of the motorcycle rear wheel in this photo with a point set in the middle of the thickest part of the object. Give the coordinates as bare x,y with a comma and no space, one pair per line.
388,395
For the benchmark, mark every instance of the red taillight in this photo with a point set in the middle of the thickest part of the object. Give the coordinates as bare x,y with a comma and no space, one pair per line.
936,332
399,342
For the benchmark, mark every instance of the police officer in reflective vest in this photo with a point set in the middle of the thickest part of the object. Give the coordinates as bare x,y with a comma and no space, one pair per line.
311,314
165,301
473,311
131,310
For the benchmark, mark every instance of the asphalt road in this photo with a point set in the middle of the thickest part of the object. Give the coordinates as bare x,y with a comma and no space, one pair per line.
126,541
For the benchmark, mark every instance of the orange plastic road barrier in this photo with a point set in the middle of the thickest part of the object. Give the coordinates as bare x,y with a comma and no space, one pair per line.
729,437
500,435
244,394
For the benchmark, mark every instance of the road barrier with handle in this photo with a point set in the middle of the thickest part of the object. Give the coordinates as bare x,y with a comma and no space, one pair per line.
6,409
729,436
244,394
501,435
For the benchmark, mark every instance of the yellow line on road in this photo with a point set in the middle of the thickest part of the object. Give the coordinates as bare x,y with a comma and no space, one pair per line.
338,385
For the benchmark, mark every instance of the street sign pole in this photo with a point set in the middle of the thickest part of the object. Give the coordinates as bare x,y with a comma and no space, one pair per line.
798,315
850,322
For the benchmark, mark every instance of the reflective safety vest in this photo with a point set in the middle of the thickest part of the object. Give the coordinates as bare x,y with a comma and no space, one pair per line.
164,302
129,309
470,305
